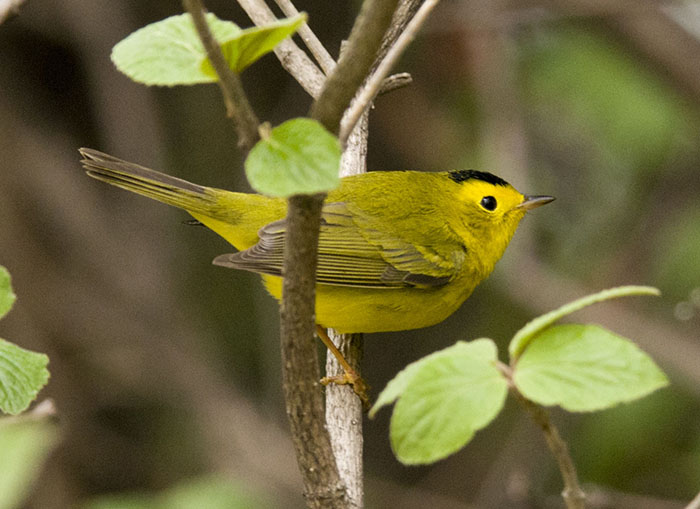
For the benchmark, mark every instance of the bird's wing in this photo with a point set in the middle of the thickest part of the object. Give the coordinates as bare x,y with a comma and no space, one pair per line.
351,252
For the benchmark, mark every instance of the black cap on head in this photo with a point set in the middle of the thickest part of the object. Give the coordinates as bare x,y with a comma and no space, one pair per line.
464,175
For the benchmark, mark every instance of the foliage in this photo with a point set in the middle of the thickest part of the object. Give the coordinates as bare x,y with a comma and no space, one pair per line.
22,372
24,445
209,492
297,157
170,53
442,399
24,442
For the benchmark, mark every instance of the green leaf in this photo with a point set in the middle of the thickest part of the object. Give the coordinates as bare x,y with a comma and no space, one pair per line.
483,348
448,399
209,492
523,337
22,374
252,43
24,445
7,296
213,493
169,52
584,368
297,157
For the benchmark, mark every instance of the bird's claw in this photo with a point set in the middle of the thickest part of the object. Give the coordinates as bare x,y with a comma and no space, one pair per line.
358,385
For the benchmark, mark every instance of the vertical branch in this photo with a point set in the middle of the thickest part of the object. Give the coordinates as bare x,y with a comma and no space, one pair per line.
304,400
300,368
343,407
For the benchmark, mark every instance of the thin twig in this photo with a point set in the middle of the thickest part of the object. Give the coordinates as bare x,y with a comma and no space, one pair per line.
237,106
573,495
395,81
316,47
293,59
376,81
405,11
354,64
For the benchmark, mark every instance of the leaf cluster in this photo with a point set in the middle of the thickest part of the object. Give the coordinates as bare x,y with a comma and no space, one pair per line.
22,372
297,157
24,441
444,398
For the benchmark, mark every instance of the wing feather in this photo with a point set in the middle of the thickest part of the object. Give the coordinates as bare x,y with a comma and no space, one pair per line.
350,253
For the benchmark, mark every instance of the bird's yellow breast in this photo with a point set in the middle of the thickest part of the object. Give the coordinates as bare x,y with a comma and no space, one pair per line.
350,310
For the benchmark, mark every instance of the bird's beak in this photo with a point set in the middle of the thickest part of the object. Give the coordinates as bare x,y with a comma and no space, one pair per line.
532,202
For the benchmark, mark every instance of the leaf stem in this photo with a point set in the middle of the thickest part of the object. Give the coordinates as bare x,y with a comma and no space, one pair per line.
237,106
573,495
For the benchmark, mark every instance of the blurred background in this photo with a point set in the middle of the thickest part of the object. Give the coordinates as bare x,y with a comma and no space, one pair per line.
165,370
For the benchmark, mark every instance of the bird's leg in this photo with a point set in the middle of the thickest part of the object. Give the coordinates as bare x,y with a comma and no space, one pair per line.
350,376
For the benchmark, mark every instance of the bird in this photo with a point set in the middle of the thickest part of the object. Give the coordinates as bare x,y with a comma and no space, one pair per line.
397,250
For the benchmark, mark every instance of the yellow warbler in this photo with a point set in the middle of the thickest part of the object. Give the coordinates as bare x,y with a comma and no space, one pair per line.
397,250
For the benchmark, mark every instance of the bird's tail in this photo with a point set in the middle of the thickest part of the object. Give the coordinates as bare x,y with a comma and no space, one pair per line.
139,179
237,217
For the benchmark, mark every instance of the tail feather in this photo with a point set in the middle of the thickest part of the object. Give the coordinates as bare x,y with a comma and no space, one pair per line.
153,184
237,217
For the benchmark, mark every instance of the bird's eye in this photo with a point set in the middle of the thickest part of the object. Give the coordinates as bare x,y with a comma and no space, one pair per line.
489,202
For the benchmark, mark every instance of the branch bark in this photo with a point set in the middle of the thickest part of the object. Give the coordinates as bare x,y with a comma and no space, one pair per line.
300,367
376,81
354,64
304,400
317,49
293,59
343,407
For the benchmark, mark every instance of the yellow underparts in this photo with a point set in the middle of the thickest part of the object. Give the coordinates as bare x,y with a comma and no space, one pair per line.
349,310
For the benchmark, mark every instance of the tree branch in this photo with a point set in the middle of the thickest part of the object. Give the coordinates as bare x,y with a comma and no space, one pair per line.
376,81
300,368
237,106
317,49
293,59
304,400
354,64
343,407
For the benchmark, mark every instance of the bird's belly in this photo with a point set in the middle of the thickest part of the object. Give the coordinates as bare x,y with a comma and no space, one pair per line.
350,310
